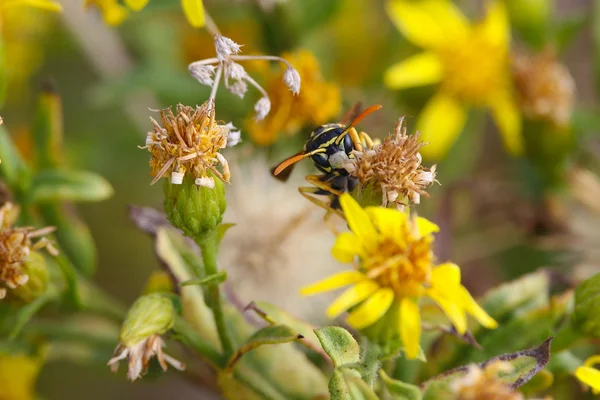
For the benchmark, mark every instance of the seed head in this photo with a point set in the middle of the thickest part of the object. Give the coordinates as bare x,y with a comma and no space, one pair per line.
545,87
188,142
16,248
484,383
262,108
226,47
394,167
291,78
203,73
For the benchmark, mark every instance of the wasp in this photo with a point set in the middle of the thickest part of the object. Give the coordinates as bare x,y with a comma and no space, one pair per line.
329,147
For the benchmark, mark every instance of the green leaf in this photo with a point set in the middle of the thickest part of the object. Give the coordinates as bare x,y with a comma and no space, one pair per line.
587,303
60,184
346,384
73,235
273,314
28,311
539,383
595,24
13,169
400,390
217,278
276,334
339,345
525,363
518,296
222,230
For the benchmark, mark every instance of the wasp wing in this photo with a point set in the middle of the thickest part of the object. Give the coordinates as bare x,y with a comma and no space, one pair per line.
352,113
285,173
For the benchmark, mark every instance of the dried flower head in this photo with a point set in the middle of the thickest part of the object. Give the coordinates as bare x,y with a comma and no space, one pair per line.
15,248
189,142
236,77
394,167
480,384
148,318
318,103
545,87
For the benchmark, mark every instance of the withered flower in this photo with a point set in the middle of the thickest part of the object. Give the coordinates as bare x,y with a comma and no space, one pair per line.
189,142
150,317
17,248
545,87
394,168
480,384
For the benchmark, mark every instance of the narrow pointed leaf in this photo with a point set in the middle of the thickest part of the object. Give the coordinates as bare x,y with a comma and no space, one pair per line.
59,184
339,345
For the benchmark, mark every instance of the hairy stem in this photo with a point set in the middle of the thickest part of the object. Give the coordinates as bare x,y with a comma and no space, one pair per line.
208,243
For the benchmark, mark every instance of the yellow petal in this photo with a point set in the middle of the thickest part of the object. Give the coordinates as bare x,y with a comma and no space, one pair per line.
589,376
452,308
448,16
591,361
440,123
372,309
445,275
194,12
333,282
358,220
410,327
347,246
426,227
476,311
416,23
42,4
351,297
136,5
389,222
508,119
419,70
496,27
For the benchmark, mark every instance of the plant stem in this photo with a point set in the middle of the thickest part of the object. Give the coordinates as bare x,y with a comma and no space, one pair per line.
208,243
188,336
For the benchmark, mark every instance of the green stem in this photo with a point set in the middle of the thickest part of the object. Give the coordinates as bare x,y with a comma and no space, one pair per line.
188,336
208,243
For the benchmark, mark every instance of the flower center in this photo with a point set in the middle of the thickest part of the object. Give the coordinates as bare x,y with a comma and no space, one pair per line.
404,267
474,67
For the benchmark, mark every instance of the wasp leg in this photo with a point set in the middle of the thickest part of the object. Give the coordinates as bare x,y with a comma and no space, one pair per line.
316,181
310,192
356,142
366,140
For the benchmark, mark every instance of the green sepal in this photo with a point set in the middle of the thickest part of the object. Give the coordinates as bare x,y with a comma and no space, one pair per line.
48,130
276,334
69,185
400,390
339,345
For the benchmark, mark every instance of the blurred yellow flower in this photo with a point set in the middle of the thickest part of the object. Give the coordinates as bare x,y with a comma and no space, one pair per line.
114,12
589,375
22,26
471,63
18,374
395,266
318,102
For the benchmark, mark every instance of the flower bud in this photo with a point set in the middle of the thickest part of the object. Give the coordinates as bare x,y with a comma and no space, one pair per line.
152,314
37,272
195,209
587,304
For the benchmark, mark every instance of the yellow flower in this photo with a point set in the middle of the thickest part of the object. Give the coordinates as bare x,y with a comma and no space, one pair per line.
589,375
317,103
22,25
114,12
471,63
394,265
18,374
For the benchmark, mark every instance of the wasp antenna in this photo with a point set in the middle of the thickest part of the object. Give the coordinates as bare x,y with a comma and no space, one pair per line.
290,161
362,115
